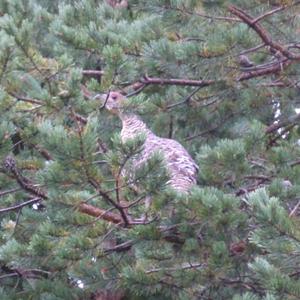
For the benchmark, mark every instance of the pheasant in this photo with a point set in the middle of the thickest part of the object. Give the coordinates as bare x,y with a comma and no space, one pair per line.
182,169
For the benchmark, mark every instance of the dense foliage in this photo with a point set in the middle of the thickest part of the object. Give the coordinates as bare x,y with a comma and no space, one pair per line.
221,77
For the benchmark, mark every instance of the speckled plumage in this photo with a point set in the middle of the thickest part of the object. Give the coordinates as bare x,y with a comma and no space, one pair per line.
181,167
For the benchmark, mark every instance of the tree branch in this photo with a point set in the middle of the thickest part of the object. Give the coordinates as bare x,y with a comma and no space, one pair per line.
187,82
26,99
104,195
290,121
10,166
9,192
100,213
21,205
93,72
263,34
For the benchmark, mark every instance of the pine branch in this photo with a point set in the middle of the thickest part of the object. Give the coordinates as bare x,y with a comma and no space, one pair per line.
287,59
10,166
94,183
263,34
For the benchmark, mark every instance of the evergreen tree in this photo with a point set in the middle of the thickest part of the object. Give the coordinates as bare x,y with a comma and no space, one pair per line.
220,77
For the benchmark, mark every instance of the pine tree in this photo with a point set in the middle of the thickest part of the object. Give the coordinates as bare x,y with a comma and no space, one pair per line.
221,78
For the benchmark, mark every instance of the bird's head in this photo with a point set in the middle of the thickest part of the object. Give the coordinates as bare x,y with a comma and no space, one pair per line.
113,101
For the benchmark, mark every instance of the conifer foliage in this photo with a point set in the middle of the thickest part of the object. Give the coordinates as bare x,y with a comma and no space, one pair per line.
220,77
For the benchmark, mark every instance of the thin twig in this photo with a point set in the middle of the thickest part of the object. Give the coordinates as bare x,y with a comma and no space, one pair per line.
21,205
294,210
93,72
252,49
269,13
93,182
187,82
186,99
26,99
9,192
186,266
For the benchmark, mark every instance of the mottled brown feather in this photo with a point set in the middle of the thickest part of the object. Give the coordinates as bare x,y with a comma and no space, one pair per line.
180,165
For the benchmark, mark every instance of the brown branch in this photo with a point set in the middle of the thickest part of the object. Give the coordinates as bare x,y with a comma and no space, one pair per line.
288,122
10,166
252,49
272,69
21,205
269,13
93,72
185,266
281,134
193,13
263,34
80,118
294,163
28,273
9,192
187,82
99,212
42,151
104,195
26,99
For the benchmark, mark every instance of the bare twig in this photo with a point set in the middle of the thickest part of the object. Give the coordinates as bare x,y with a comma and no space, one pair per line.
252,49
94,183
9,192
26,99
137,89
186,99
27,185
120,247
269,13
187,82
27,273
220,18
294,210
93,72
185,266
21,205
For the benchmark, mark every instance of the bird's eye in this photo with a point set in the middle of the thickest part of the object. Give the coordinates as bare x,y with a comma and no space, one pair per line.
114,97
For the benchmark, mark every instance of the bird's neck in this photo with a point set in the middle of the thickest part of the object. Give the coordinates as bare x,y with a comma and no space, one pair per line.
132,126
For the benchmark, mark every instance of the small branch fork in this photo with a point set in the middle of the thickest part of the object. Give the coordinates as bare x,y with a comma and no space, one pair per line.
93,182
287,57
10,167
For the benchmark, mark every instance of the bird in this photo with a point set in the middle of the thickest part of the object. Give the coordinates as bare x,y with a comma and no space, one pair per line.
180,166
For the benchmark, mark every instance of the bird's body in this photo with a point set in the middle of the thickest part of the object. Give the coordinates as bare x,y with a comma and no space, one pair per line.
181,167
